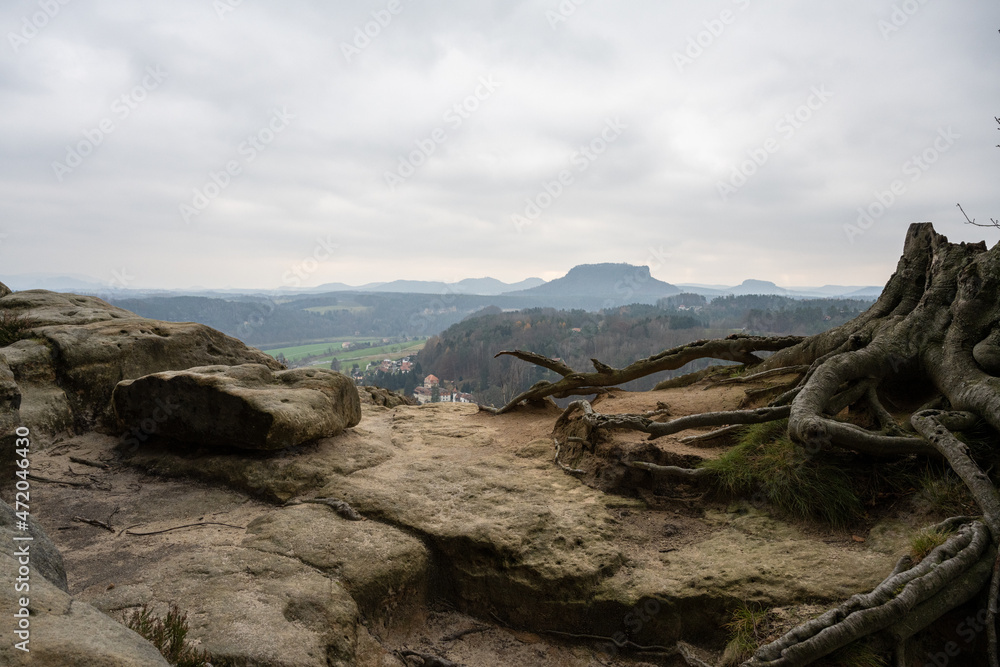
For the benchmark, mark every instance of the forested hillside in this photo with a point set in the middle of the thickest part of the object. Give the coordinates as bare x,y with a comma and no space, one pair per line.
464,352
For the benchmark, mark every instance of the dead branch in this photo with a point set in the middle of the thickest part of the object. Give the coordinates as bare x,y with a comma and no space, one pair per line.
737,347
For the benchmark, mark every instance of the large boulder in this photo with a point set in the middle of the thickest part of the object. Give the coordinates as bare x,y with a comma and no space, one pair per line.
247,406
81,347
4,290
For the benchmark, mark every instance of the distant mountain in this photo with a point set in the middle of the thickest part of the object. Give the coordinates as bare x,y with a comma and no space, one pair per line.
767,287
611,284
54,282
477,286
757,287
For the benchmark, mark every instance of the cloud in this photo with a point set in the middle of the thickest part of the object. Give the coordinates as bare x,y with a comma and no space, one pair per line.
702,88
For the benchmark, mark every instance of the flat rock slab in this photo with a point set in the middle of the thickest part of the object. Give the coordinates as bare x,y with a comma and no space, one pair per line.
246,407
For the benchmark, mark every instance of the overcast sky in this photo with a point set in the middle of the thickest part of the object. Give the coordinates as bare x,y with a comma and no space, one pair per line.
256,143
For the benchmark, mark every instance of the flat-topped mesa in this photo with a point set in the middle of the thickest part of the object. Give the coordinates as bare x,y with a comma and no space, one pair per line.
246,407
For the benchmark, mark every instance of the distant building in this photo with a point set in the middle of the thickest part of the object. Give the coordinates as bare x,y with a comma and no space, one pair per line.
431,381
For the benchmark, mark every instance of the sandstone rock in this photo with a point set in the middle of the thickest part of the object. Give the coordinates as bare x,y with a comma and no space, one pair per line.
516,536
384,397
45,408
245,604
386,571
91,345
45,557
247,406
63,631
4,290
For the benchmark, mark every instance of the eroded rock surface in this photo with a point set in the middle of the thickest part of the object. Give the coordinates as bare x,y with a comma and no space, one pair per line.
81,347
248,406
61,630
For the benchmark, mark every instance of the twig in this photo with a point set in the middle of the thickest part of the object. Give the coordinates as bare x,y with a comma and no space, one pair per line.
94,522
49,480
468,631
188,525
86,462
972,221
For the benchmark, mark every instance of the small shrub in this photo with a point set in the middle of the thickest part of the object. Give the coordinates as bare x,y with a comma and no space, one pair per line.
168,635
766,464
14,327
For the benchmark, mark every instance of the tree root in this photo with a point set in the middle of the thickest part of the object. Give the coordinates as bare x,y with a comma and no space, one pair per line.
889,603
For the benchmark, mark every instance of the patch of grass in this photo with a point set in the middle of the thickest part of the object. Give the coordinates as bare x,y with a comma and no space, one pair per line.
944,492
168,635
14,327
923,542
766,465
747,630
